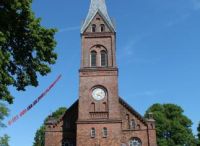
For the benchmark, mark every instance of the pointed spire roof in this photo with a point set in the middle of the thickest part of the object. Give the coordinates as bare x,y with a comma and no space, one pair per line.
95,7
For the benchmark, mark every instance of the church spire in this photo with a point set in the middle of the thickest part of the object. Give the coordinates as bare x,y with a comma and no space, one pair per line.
95,7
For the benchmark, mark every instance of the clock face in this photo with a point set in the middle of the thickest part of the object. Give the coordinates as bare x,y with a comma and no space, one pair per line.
98,94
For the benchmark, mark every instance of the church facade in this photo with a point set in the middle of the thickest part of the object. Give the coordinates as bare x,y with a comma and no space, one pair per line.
100,117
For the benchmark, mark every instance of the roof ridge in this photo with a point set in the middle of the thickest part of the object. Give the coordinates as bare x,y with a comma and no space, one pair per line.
133,110
56,121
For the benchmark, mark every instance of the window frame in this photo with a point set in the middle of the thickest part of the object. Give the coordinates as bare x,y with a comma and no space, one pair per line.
93,28
104,52
93,132
93,64
102,28
105,132
132,124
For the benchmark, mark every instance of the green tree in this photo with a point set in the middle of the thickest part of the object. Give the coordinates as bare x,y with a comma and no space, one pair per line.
172,126
4,140
26,47
198,134
3,113
40,134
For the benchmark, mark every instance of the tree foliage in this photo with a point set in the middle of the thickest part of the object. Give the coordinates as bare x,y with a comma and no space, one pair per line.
4,140
3,113
26,47
173,127
39,139
198,134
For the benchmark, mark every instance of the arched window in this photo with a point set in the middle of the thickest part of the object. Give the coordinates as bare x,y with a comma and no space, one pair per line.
104,58
93,133
135,142
102,27
132,124
105,132
93,58
93,28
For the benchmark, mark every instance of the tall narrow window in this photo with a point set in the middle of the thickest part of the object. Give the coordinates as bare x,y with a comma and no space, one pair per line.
93,28
104,58
93,58
132,124
105,132
93,133
102,27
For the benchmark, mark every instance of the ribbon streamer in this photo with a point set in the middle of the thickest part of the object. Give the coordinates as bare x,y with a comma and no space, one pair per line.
36,101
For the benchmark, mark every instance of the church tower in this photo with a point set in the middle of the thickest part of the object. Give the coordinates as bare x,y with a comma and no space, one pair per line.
98,91
98,94
100,117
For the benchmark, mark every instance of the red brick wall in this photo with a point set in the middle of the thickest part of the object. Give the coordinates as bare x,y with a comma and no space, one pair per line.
84,138
53,135
90,40
145,132
90,79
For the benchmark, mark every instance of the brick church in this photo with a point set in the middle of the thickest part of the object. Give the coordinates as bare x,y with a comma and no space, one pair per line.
100,117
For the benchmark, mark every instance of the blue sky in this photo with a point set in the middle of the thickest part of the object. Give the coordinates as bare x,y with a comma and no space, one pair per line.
158,55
